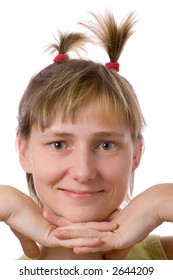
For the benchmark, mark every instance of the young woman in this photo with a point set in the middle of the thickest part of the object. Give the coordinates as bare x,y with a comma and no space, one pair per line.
80,142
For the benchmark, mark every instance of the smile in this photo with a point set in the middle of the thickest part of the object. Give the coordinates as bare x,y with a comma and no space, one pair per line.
80,194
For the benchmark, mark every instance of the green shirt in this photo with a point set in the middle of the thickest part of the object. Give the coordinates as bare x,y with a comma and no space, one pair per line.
149,249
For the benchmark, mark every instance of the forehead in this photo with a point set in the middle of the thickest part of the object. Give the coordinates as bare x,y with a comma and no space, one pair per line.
99,108
94,112
88,119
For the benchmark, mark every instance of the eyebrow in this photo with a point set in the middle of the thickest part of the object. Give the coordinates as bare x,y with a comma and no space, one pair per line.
96,134
109,133
57,134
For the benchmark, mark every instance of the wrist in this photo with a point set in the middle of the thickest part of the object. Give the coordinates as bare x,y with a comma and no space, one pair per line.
6,193
166,202
11,201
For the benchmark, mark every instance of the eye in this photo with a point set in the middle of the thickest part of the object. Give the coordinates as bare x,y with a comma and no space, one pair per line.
107,146
59,145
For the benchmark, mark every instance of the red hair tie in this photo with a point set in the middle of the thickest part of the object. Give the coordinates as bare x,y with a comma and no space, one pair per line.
113,65
60,57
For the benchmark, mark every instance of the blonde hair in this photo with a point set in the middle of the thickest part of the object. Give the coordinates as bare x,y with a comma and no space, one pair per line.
63,87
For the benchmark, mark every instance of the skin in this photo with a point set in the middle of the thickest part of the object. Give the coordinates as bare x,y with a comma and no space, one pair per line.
83,164
23,223
145,212
11,203
86,240
154,206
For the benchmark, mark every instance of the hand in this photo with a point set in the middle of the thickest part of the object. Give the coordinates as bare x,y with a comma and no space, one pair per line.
25,218
81,233
135,222
30,248
55,219
144,213
84,233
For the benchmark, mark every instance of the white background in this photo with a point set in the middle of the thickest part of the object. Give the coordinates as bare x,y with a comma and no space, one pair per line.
26,27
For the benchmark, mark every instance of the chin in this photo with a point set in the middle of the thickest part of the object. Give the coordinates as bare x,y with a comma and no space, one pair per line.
81,217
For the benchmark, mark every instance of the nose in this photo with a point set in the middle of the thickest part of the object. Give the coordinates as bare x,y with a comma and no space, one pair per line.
82,166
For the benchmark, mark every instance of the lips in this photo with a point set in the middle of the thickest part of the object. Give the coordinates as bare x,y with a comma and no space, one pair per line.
79,193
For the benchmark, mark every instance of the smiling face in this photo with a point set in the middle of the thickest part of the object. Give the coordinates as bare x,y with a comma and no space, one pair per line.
81,169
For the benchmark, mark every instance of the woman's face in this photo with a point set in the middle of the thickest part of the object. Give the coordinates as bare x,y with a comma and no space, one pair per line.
81,170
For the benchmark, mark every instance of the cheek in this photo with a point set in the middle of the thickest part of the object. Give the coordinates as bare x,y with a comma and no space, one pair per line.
45,177
119,169
44,168
118,174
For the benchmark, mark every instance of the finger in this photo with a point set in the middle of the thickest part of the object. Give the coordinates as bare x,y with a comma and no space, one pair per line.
99,226
110,242
30,248
78,233
80,242
54,219
106,245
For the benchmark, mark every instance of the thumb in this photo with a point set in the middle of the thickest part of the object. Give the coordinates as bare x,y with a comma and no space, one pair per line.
30,248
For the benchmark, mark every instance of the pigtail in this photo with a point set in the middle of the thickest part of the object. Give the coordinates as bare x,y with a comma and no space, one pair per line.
67,42
112,36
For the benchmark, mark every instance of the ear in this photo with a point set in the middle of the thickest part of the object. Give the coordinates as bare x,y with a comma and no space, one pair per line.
138,148
23,150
